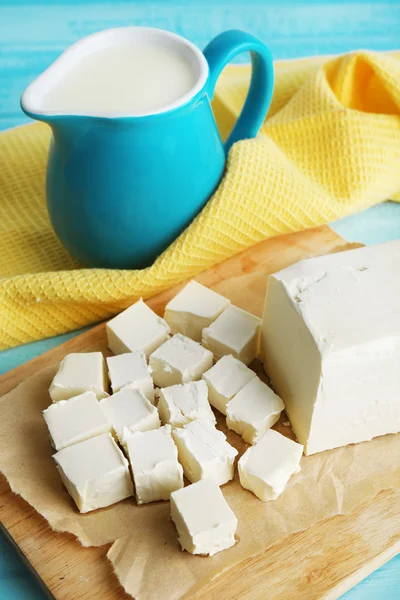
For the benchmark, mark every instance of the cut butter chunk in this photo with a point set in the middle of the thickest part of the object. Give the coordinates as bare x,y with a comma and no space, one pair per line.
79,372
95,472
253,410
331,345
266,468
130,369
204,452
75,420
128,411
194,308
225,379
204,520
235,332
155,467
179,360
182,403
136,328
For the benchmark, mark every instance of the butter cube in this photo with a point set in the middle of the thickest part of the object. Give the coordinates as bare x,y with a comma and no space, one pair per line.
95,472
204,520
225,379
155,467
204,452
266,468
253,410
128,411
179,360
136,328
75,420
78,373
194,308
330,344
182,403
130,369
235,332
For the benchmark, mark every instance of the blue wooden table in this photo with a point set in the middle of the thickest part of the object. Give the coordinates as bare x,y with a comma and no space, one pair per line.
33,33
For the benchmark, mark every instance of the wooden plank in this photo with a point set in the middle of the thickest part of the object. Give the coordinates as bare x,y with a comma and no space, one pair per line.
322,562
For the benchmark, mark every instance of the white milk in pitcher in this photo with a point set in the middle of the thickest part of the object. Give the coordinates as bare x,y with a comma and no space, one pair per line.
129,79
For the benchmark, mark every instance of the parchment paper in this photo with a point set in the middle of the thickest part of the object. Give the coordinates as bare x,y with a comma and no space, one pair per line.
145,554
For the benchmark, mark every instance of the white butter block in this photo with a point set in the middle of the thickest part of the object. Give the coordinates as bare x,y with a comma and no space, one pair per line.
179,360
75,420
225,379
128,411
136,328
95,473
204,520
331,345
155,467
253,410
235,332
194,308
130,369
204,452
78,373
182,403
266,468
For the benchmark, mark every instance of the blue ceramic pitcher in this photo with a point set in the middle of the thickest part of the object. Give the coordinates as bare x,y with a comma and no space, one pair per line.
120,189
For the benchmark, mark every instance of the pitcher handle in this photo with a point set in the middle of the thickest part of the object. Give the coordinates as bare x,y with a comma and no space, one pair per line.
219,52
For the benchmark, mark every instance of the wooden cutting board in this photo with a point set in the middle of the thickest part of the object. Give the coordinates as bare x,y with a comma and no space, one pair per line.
322,562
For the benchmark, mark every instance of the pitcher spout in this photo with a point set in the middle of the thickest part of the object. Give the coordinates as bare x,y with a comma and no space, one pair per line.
32,101
33,114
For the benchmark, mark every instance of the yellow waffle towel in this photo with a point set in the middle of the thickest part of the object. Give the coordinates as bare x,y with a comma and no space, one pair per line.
330,147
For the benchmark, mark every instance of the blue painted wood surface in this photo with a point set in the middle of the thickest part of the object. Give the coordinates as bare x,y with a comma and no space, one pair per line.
33,33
